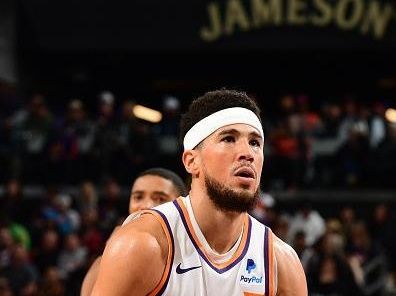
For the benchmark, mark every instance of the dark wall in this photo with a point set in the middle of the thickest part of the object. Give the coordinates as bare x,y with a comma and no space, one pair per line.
149,25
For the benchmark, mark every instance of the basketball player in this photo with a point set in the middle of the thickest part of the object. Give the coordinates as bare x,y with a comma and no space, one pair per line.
151,188
206,243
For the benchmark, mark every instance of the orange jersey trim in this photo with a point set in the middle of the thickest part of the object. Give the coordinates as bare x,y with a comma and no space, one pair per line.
271,267
169,260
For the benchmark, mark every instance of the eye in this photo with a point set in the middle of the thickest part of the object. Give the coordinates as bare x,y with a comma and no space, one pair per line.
255,143
159,198
228,139
137,197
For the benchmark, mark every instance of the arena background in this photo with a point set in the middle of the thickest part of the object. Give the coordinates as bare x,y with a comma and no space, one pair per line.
71,72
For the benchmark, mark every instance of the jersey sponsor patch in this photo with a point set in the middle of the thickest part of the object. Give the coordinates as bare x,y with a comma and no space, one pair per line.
251,276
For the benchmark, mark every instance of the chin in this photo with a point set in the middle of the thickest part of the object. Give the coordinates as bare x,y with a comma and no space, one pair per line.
235,197
245,187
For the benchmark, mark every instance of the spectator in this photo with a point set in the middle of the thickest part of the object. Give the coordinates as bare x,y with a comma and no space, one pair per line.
383,163
18,232
72,256
33,132
6,247
60,214
304,253
352,156
46,254
5,289
281,227
381,226
87,198
347,218
166,132
11,204
328,273
73,149
125,129
110,208
91,235
106,135
264,209
21,274
51,283
310,222
330,122
349,120
377,125
367,261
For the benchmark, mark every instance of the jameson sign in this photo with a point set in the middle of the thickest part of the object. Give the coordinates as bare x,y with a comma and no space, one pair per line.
175,25
368,18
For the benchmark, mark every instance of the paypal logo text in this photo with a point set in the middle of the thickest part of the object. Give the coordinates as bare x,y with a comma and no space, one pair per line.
251,280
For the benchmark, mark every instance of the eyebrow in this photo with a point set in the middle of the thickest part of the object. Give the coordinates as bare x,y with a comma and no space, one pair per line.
155,192
236,132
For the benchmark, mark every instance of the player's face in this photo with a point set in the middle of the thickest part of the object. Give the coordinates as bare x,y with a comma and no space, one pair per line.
233,157
149,191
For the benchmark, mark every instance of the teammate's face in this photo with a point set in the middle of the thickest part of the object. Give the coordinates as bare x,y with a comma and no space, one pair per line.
149,191
232,158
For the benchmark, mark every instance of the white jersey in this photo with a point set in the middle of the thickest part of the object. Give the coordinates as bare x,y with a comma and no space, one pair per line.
249,270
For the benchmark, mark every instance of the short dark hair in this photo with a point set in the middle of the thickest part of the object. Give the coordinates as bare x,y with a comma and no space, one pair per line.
169,175
212,102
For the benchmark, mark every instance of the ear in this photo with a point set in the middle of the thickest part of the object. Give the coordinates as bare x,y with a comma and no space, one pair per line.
191,161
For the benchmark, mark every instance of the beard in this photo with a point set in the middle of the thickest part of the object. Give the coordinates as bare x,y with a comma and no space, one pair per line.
229,200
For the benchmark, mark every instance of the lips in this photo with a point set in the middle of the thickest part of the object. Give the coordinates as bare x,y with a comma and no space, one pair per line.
245,172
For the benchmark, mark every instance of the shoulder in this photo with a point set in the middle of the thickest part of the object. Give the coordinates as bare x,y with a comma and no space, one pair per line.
282,249
136,250
143,234
167,211
90,278
290,273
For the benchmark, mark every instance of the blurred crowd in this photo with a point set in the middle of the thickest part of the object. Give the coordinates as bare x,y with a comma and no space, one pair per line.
344,251
48,243
332,144
309,144
44,146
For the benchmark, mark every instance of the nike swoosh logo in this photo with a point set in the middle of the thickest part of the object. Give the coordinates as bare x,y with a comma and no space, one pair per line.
180,270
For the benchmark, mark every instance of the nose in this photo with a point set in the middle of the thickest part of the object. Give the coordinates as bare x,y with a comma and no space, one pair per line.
245,151
146,204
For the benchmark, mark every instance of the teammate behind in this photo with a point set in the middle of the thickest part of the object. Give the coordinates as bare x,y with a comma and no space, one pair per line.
151,188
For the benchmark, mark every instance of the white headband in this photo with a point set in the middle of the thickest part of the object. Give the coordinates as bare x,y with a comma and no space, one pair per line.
206,126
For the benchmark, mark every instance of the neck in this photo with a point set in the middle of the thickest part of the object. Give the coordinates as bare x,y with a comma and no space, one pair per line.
220,228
